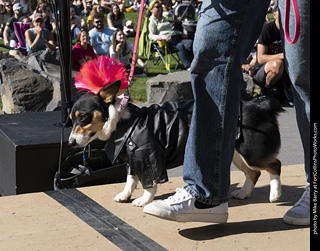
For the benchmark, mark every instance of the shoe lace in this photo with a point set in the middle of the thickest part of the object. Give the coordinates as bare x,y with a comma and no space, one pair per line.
305,198
180,194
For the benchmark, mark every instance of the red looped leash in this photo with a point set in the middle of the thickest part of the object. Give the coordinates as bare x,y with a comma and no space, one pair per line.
126,96
297,21
134,55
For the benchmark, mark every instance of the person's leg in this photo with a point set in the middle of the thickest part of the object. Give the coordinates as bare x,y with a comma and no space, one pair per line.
182,52
274,71
227,32
225,35
297,65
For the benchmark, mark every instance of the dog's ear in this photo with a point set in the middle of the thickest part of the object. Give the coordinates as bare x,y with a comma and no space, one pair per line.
109,92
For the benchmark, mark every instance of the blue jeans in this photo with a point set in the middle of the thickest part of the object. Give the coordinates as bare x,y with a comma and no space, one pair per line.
297,65
226,33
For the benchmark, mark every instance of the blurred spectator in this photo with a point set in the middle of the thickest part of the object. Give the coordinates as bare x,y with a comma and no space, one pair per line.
39,38
117,21
160,29
76,23
269,54
5,14
82,51
87,6
49,21
76,8
106,4
9,37
26,5
100,36
269,70
96,10
122,50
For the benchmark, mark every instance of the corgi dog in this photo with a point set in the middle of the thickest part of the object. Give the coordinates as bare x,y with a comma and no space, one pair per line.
152,139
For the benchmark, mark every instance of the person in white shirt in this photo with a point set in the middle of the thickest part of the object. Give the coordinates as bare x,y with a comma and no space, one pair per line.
100,36
122,50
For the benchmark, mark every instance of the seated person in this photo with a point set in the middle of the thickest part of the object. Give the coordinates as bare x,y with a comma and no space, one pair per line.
121,49
270,57
100,36
117,20
160,28
269,70
49,21
39,38
87,6
5,13
76,23
96,10
82,51
106,4
9,36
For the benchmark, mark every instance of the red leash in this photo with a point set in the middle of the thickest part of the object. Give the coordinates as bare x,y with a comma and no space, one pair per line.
134,55
126,96
297,21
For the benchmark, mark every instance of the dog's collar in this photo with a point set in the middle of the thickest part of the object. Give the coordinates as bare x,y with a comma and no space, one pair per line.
124,99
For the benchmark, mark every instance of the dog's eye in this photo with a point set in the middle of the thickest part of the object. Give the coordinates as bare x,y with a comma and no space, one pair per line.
82,118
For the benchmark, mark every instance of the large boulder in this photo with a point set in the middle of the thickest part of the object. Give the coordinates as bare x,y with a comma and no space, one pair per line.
30,83
173,86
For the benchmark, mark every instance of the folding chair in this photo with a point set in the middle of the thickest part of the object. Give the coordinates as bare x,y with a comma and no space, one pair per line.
156,51
19,29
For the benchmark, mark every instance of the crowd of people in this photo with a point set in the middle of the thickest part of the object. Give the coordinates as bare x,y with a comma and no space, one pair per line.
93,24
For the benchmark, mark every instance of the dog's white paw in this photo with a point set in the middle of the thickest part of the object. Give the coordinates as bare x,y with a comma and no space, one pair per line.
240,194
274,196
122,197
146,198
141,202
275,188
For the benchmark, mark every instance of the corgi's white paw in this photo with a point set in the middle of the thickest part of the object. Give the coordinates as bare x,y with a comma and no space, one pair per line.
122,197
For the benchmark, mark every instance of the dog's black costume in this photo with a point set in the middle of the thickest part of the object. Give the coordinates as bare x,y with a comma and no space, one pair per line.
154,138
152,141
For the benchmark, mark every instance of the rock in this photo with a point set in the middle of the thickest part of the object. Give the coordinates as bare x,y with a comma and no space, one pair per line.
29,83
173,86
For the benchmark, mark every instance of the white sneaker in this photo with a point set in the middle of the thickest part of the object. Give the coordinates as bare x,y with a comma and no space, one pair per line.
184,208
299,214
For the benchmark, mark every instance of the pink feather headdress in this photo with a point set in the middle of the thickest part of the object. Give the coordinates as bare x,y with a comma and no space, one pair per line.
101,72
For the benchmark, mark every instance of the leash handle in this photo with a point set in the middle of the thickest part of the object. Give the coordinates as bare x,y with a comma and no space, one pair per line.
134,55
297,21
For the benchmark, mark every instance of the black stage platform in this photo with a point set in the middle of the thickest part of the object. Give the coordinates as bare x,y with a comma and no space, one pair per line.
29,152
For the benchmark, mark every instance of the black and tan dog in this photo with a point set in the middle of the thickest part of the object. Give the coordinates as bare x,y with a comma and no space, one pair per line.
152,139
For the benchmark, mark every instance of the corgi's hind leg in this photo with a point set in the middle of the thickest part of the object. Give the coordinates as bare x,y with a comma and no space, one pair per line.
275,182
252,176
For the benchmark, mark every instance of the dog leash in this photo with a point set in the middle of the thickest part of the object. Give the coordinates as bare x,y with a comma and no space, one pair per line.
297,21
134,54
126,96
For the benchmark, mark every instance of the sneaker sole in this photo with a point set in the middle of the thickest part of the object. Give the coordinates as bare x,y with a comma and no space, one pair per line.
209,218
295,221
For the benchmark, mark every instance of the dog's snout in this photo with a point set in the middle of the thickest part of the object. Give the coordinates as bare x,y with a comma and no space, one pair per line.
72,141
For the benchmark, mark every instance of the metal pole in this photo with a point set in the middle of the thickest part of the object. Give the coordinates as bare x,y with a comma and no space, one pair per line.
65,48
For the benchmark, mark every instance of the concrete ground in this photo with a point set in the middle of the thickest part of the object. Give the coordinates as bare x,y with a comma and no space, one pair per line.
89,219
